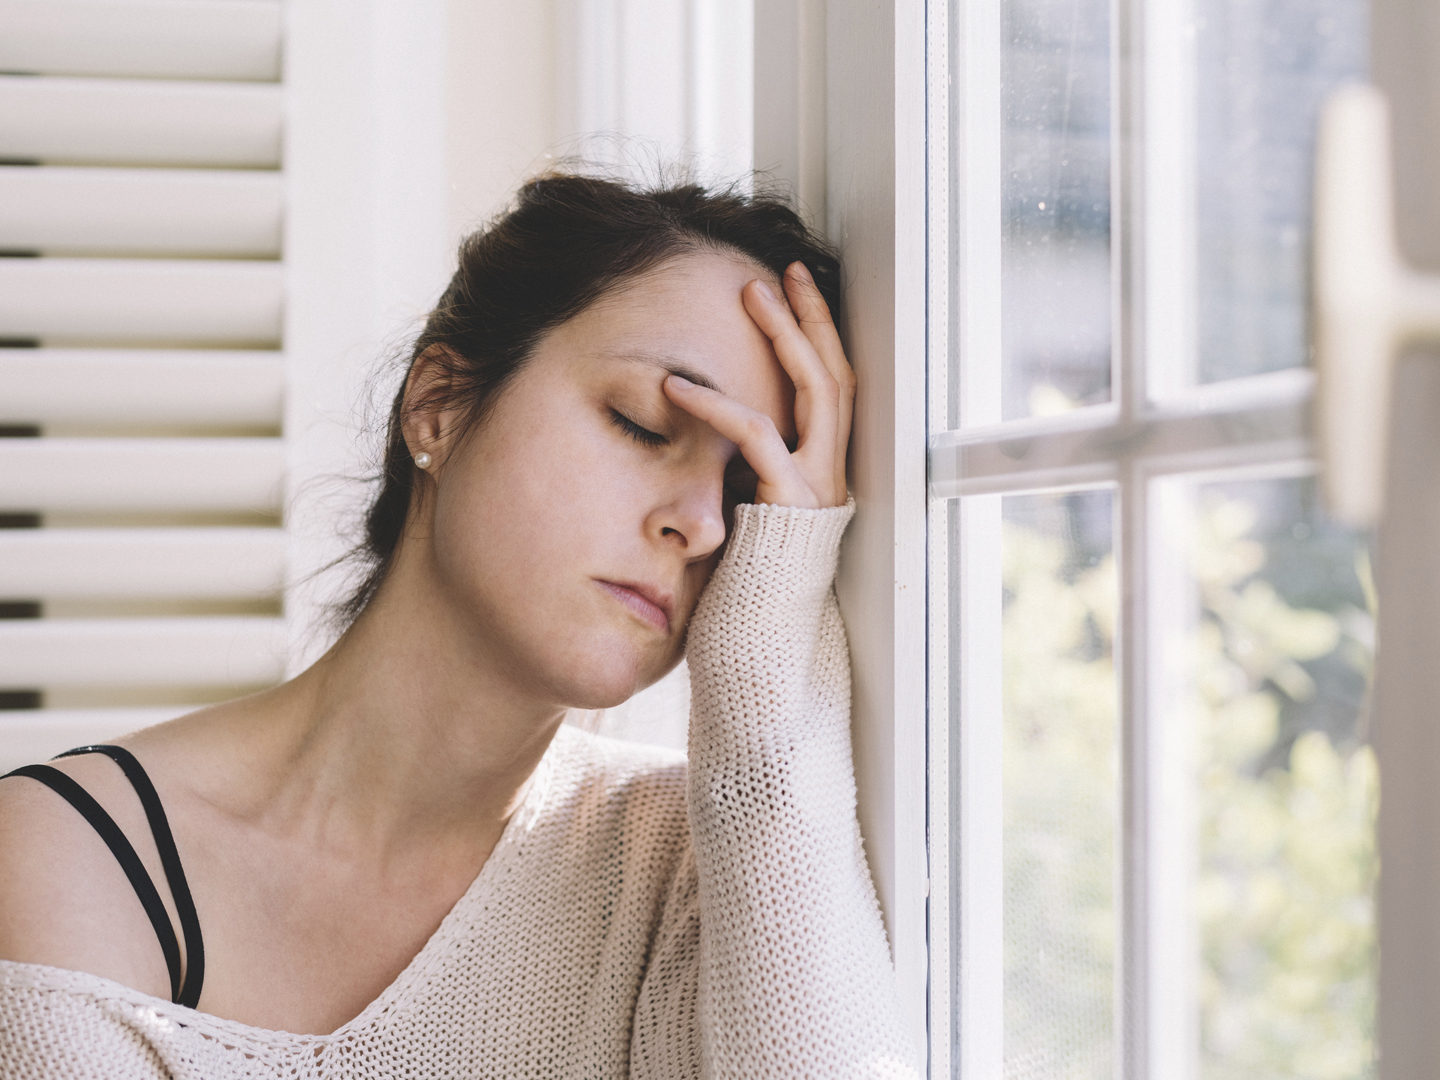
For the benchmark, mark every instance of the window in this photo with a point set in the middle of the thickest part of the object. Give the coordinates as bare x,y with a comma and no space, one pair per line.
1152,800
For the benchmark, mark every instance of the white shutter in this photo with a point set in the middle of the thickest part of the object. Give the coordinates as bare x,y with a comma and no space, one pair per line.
141,389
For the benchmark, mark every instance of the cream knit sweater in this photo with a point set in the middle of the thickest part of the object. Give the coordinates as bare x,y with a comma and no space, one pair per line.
637,919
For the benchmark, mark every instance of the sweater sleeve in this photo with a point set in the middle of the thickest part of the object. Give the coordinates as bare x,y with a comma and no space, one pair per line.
777,952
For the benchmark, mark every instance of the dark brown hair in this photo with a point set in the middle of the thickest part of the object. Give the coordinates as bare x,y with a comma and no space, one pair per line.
565,243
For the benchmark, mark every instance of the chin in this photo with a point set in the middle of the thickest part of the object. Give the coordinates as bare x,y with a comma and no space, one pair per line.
603,696
611,678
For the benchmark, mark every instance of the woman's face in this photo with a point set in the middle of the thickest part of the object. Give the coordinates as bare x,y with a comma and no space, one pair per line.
574,528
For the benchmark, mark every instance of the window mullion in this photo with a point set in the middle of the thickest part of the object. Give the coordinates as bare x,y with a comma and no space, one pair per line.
940,414
1267,431
1133,673
977,795
1132,533
978,212
1129,387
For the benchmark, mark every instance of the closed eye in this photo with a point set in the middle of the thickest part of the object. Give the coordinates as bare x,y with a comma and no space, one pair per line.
644,436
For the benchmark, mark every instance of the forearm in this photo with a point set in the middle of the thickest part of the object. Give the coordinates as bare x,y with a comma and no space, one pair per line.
795,974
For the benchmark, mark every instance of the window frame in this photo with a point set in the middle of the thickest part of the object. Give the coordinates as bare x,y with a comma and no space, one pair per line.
1156,428
875,212
1404,40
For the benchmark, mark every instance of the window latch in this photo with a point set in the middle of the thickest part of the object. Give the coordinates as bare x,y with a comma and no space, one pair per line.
1368,302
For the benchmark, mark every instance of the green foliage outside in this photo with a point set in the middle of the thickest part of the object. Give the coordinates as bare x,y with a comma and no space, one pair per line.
1287,851
1060,809
1285,866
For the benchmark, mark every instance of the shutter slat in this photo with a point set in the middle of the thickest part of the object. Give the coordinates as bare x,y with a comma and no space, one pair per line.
141,387
46,564
58,210
52,474
198,39
32,735
217,650
134,122
141,300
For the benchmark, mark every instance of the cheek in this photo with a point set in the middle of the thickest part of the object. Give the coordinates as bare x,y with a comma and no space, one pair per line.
530,505
506,511
517,539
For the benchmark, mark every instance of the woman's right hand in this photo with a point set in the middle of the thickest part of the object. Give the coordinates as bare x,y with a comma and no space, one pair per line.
808,347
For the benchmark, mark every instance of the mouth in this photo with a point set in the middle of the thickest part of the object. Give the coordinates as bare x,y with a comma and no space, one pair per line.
649,605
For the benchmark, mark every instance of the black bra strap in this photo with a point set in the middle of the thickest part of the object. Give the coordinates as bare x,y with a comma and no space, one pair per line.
189,993
134,869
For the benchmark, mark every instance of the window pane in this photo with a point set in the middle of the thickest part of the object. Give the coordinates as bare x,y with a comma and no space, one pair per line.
1284,784
1055,190
1264,67
1060,786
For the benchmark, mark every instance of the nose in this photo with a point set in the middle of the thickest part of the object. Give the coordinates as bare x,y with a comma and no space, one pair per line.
693,519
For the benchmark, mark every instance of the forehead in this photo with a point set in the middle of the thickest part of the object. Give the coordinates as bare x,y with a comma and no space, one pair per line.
688,314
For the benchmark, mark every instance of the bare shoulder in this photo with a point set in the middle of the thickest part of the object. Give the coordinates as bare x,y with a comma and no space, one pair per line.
64,899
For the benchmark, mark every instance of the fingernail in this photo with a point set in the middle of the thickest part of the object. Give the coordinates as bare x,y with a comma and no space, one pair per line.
803,271
685,384
769,293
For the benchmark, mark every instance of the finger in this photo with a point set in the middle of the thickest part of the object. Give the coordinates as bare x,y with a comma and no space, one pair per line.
817,393
797,355
813,315
754,434
822,409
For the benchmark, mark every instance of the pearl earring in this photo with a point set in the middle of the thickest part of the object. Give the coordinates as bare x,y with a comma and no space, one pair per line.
422,459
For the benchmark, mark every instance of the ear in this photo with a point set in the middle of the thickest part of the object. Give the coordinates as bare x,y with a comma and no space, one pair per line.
429,418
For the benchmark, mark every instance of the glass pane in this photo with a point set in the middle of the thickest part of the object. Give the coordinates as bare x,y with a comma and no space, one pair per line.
1284,782
1264,67
1055,188
1060,786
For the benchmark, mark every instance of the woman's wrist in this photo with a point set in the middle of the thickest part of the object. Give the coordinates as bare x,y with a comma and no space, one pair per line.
806,535
779,562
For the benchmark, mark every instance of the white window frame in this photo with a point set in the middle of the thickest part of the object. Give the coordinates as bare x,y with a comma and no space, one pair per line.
875,212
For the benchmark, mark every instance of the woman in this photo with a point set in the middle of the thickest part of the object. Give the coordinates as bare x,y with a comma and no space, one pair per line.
621,439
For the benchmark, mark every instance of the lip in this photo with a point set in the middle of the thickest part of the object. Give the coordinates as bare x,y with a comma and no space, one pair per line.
648,604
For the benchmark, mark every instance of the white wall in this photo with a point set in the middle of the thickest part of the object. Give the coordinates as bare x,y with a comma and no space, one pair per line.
502,101
366,243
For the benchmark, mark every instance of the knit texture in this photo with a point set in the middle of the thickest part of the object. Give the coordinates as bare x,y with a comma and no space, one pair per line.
638,918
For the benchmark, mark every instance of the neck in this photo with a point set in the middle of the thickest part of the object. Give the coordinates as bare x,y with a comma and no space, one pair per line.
403,734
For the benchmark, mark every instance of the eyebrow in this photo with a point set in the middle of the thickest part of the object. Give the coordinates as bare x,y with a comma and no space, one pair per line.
674,367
